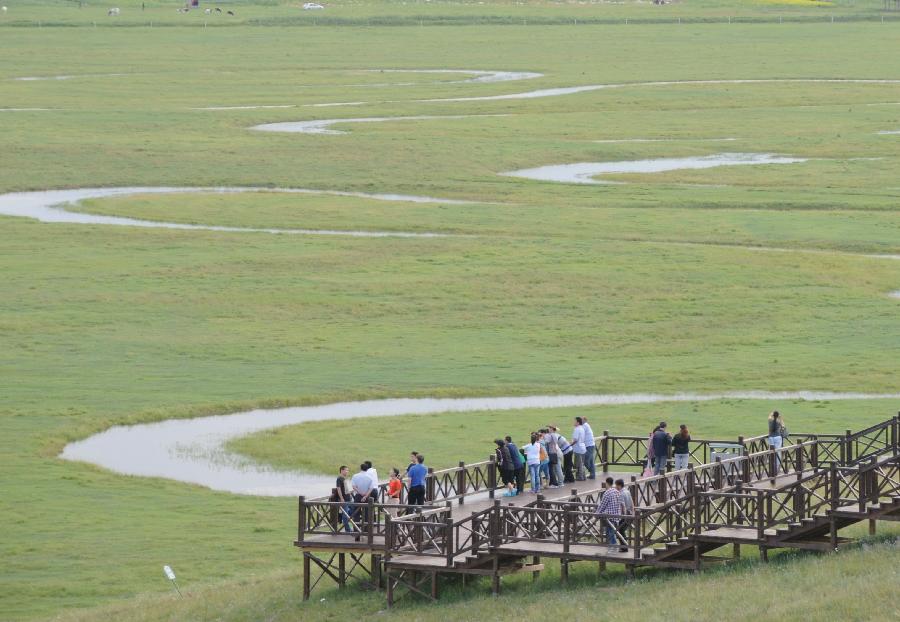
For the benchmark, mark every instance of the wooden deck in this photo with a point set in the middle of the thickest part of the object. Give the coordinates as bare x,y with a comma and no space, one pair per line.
799,497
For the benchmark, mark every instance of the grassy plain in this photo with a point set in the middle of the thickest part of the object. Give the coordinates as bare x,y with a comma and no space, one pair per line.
105,325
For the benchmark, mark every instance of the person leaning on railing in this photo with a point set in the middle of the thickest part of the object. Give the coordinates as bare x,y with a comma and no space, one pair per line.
506,466
567,453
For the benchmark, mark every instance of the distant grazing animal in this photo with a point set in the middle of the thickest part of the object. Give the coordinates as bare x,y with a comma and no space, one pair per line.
2,9
207,11
218,10
113,11
231,12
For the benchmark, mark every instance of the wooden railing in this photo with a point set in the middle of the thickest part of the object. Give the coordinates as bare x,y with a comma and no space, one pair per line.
856,462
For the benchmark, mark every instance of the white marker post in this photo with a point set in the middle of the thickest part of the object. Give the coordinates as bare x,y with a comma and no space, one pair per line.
171,576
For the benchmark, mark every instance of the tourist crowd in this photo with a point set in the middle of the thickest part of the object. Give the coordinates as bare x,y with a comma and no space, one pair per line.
548,460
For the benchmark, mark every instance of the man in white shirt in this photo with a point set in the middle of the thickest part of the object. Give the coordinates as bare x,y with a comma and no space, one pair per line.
373,474
361,483
590,454
579,449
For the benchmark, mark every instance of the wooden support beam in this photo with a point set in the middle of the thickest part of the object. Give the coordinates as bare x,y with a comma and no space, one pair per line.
535,561
306,570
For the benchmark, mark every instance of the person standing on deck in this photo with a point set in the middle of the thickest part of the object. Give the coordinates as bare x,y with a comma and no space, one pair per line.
662,441
412,461
545,457
579,449
518,465
553,454
627,513
567,452
611,507
394,488
342,496
590,445
533,454
777,434
370,470
417,474
361,483
505,464
680,447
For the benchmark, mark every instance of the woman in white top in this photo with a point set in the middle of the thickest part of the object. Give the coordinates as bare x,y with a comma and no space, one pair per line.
533,459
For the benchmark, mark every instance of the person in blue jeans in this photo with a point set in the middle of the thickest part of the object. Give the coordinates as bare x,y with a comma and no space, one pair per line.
518,463
610,509
342,496
533,457
590,446
661,442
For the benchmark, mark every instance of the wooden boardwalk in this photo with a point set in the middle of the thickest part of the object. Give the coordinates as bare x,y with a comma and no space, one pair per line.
797,497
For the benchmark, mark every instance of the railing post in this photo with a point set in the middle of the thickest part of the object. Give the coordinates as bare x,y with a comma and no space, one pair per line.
301,518
461,483
491,476
745,464
567,527
370,537
429,485
814,456
761,504
495,524
798,460
895,435
861,477
772,466
388,535
698,511
638,532
717,474
835,488
662,491
691,480
848,457
448,540
742,511
604,451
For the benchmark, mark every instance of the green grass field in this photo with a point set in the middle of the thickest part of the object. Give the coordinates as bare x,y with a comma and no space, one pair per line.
643,286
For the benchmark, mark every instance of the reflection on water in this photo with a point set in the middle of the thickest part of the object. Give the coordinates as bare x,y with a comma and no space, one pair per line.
193,450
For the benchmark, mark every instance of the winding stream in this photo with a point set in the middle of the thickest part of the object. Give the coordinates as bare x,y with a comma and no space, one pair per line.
50,206
193,450
584,172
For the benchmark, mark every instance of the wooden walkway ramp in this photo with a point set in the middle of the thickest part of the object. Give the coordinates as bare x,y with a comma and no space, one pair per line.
800,496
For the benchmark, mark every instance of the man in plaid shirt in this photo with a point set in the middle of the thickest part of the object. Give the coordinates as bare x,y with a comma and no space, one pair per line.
610,505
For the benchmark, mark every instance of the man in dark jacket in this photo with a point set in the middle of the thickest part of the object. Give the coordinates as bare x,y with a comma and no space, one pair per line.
519,462
662,441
